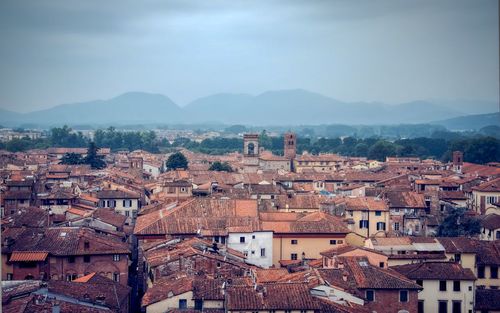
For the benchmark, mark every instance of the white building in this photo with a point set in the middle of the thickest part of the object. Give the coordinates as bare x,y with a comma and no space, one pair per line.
257,246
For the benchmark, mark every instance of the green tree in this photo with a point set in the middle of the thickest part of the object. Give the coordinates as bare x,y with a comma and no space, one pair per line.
459,223
93,159
72,158
220,167
176,160
381,149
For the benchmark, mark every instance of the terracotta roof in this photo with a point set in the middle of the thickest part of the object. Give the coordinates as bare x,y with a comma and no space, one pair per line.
114,294
269,275
165,286
362,275
452,195
490,186
317,222
200,214
339,250
491,221
435,271
117,194
487,252
66,241
84,279
279,296
28,256
363,203
405,199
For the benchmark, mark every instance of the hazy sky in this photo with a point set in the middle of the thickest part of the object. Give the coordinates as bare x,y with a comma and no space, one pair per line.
54,52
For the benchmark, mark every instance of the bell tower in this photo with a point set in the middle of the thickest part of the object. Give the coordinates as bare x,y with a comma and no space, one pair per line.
251,152
290,145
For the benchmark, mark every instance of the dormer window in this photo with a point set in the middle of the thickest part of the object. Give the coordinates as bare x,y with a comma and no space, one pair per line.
86,245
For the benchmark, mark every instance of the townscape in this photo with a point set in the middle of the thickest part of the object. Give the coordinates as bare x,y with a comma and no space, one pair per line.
248,231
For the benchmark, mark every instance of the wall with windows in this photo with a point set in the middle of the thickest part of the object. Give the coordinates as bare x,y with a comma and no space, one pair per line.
173,302
257,246
432,294
368,223
127,207
309,246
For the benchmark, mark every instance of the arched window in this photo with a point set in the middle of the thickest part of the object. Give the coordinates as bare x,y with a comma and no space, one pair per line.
251,148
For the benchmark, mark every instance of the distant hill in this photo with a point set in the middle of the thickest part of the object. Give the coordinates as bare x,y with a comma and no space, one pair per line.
471,122
132,107
280,107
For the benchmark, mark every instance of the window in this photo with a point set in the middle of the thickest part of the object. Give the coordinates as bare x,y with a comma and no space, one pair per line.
458,257
182,304
127,213
381,264
86,258
9,276
333,242
71,259
442,306
218,265
253,251
456,285
363,224
86,245
116,257
494,271
442,285
456,307
242,239
253,236
294,241
396,226
380,226
378,213
293,256
370,295
420,282
263,252
116,277
420,308
245,253
417,228
127,203
183,189
403,296
480,271
198,304
497,236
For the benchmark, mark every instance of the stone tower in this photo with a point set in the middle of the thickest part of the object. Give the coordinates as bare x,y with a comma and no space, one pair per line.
458,161
290,145
251,152
251,145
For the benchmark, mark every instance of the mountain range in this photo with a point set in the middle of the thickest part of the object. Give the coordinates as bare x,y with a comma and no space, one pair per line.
281,107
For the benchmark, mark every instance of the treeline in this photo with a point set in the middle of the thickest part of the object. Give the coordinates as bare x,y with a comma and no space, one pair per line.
477,148
109,138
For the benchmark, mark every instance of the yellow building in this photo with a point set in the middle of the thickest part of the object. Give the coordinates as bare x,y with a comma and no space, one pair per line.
366,216
298,237
485,196
482,257
322,163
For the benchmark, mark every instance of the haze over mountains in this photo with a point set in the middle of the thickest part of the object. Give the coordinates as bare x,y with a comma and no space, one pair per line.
283,107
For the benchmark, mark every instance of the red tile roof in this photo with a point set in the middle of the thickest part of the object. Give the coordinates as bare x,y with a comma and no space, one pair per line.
28,256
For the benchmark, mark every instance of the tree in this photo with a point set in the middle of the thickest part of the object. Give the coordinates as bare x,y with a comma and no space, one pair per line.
459,223
220,167
381,149
93,159
177,161
72,158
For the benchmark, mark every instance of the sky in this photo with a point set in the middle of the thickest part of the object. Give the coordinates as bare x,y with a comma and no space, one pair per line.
55,52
